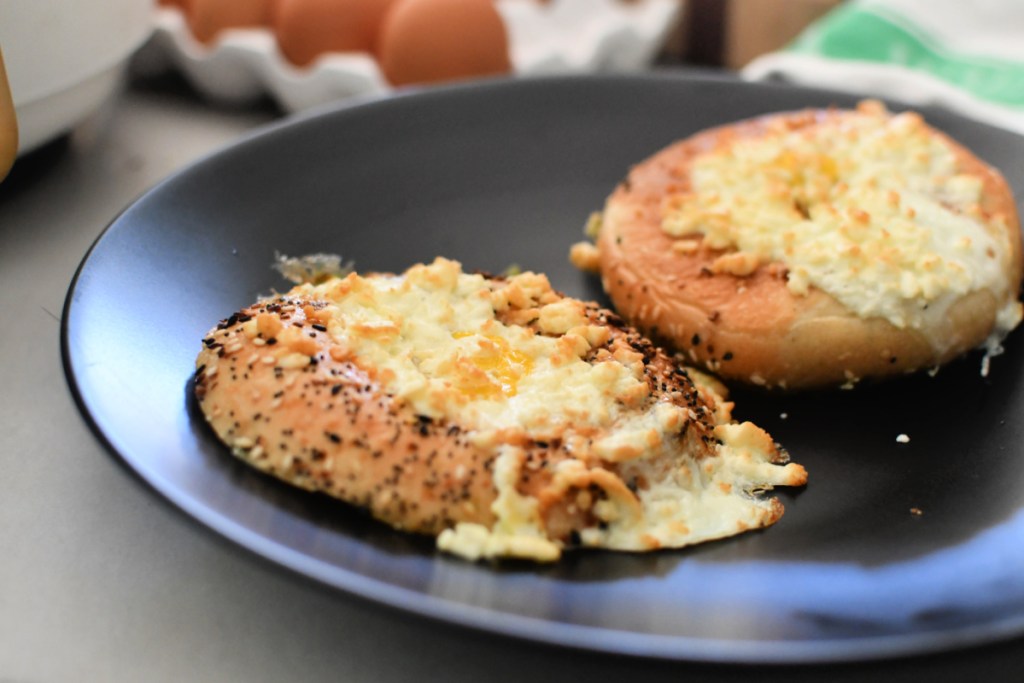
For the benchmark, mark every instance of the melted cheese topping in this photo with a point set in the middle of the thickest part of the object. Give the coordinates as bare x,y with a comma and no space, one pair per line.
684,501
869,207
434,338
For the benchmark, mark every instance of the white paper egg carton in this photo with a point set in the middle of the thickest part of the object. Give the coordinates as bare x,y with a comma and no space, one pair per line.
561,36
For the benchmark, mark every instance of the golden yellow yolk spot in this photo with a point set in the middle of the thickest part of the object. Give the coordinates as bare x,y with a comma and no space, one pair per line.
493,369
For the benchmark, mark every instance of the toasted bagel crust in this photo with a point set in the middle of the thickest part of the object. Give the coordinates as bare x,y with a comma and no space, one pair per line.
324,421
750,327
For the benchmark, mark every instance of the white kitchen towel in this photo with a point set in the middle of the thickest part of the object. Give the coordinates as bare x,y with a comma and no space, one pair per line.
965,56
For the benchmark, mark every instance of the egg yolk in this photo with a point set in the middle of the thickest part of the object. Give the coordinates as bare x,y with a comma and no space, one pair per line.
493,370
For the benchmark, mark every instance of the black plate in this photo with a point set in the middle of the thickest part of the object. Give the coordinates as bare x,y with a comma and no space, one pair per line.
506,173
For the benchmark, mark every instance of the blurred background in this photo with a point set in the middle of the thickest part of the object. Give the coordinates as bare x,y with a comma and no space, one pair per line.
65,61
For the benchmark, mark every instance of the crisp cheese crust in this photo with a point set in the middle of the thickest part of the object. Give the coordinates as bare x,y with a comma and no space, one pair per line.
503,417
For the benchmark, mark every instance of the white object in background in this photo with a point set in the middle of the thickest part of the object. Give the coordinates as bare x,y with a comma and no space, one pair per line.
965,56
561,36
64,57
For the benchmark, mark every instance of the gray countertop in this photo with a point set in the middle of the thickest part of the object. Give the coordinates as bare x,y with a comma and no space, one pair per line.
101,580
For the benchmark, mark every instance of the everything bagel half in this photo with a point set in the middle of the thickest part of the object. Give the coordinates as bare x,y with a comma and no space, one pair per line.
505,418
814,248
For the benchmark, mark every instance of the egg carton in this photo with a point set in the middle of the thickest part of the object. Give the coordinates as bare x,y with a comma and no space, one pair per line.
557,37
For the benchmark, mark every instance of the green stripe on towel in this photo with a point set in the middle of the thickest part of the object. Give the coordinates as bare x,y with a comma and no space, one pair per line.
852,33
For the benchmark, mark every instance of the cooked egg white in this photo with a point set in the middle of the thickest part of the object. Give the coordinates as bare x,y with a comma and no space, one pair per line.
868,207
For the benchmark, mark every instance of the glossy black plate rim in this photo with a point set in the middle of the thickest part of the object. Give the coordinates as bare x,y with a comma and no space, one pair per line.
583,638
479,618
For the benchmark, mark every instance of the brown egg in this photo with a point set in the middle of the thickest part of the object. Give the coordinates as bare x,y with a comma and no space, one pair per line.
426,41
207,18
8,124
306,29
173,3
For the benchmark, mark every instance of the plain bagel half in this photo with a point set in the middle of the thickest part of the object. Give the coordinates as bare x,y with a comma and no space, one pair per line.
815,248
